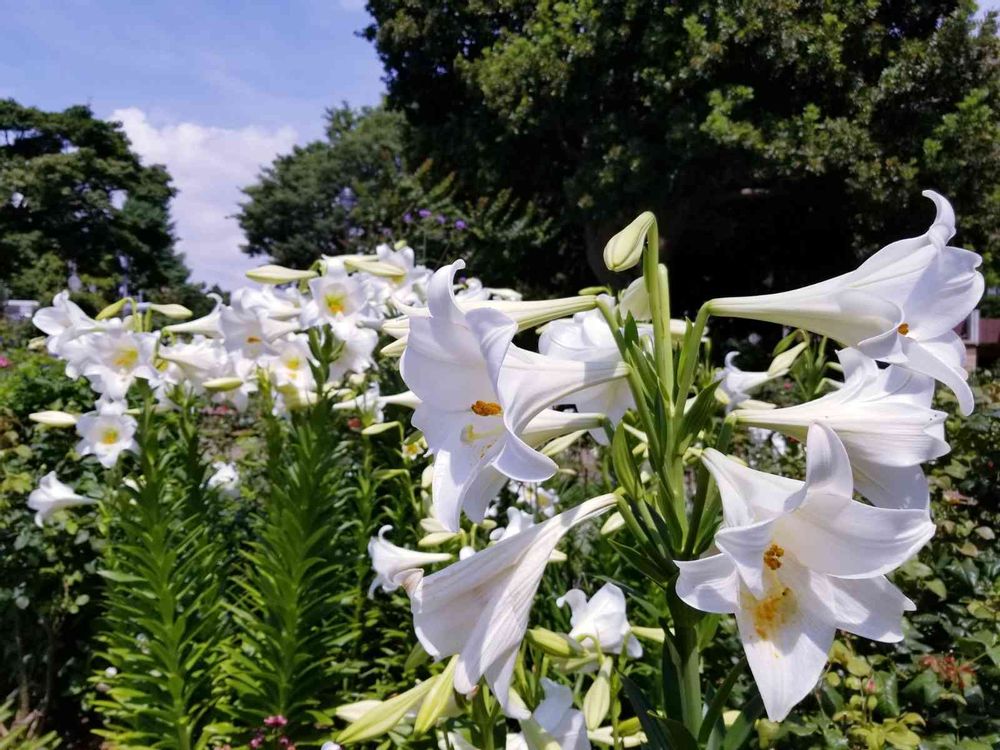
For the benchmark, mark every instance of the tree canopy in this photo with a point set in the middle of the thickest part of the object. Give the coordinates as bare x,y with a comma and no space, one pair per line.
74,191
759,132
360,187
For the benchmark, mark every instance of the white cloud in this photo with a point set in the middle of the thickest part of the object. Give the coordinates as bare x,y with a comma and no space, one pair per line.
209,166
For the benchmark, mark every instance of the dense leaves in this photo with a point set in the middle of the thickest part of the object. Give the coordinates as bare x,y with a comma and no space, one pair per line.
774,132
360,187
75,193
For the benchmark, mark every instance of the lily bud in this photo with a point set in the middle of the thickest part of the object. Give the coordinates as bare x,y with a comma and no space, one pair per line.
597,701
624,250
436,538
784,361
374,267
553,644
439,700
384,715
172,311
615,522
111,310
222,385
379,428
53,418
656,635
272,274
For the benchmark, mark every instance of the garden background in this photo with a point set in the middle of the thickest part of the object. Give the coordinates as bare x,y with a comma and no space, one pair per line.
778,142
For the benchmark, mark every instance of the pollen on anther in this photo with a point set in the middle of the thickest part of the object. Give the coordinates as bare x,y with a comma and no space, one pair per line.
486,408
904,329
772,556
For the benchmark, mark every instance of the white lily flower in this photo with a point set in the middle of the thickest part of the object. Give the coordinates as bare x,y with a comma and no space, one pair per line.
225,478
603,619
737,384
536,497
900,306
885,420
116,358
249,331
797,561
64,323
586,338
290,364
106,433
277,304
478,608
372,402
51,496
209,325
410,287
394,565
197,361
517,521
356,355
337,295
478,393
556,719
527,314
464,477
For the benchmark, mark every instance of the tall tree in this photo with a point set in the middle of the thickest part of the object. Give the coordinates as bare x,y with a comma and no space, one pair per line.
74,191
360,187
758,131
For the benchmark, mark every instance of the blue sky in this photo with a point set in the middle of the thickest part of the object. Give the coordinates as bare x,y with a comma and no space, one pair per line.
212,89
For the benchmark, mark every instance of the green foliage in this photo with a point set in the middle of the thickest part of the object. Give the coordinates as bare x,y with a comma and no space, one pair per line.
755,130
16,735
294,571
162,626
359,188
49,587
79,194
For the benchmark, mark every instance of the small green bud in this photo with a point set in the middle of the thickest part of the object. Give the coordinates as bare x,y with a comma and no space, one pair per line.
111,310
553,644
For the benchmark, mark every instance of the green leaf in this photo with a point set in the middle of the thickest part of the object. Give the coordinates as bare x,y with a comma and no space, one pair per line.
655,735
624,463
719,700
739,732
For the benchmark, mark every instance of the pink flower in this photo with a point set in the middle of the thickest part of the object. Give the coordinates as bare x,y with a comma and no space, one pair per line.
4,362
275,721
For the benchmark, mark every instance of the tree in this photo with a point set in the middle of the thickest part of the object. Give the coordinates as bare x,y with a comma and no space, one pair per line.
357,189
758,131
74,192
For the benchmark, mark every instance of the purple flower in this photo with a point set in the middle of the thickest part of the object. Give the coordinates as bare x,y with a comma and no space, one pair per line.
441,219
423,213
460,225
408,217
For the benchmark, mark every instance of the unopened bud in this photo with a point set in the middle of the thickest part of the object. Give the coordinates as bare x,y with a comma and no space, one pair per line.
172,311
221,385
111,310
553,644
624,250
53,418
272,274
